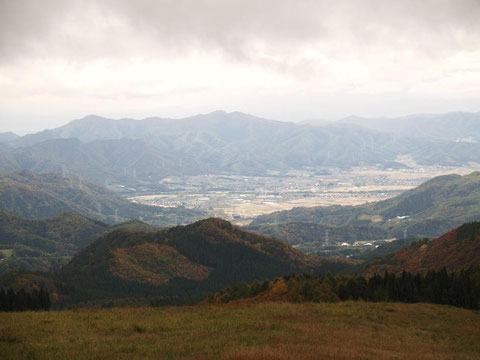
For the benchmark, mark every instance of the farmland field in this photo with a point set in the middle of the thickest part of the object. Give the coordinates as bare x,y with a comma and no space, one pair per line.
241,198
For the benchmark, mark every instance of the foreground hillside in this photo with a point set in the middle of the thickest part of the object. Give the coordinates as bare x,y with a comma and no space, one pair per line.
461,288
182,261
348,331
430,209
445,270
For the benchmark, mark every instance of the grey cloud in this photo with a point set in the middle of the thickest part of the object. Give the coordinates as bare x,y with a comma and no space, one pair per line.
431,27
26,25
234,28
272,34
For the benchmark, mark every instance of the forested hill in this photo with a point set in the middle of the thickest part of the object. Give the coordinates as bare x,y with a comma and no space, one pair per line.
431,209
460,288
455,250
183,260
43,244
34,195
63,233
445,270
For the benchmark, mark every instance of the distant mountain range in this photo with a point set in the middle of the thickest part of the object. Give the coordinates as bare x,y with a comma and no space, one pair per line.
8,137
453,126
431,209
130,152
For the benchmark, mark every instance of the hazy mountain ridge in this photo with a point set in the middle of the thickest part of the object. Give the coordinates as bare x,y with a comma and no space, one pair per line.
6,138
431,209
452,126
129,151
101,162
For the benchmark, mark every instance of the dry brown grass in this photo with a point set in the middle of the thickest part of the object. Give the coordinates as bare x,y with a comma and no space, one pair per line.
246,331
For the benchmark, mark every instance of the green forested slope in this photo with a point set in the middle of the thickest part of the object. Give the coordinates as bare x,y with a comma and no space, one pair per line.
183,260
43,244
431,209
34,195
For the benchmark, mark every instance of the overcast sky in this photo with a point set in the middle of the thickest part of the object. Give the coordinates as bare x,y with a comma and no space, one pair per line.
281,59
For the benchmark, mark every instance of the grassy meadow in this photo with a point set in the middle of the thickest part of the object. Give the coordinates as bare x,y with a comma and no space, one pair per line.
349,330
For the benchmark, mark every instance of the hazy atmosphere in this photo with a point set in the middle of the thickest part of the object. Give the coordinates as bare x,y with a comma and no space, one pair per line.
286,60
240,180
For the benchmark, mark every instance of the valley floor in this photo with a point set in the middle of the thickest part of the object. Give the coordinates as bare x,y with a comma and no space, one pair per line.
245,331
241,198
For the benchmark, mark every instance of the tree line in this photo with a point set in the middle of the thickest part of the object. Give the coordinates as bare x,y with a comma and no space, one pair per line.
461,288
23,300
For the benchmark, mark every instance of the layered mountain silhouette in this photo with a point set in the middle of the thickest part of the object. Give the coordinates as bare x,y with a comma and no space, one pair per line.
127,151
8,137
452,126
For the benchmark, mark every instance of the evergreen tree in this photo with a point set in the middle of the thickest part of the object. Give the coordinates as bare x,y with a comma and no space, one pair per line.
3,300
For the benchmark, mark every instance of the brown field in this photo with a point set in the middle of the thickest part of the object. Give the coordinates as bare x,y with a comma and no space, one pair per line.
257,331
252,209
